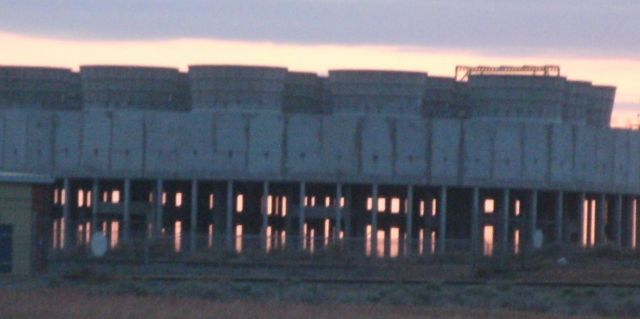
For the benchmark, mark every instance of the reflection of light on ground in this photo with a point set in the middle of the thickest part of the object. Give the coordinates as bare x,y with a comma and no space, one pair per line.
210,237
395,242
433,242
488,240
238,236
367,241
516,241
177,238
380,243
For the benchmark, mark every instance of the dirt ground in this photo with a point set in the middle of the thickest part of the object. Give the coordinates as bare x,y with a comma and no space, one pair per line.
73,304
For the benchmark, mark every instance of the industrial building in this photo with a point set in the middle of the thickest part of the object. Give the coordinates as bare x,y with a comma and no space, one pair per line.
494,159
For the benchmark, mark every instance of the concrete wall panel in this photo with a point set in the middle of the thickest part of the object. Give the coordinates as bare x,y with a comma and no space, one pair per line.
633,178
96,142
507,149
377,147
265,144
15,143
621,158
585,156
478,147
195,142
68,138
339,144
536,152
231,142
40,142
411,147
162,131
445,149
127,143
605,145
304,144
561,154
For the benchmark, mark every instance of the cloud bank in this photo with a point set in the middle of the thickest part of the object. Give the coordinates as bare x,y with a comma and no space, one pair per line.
497,26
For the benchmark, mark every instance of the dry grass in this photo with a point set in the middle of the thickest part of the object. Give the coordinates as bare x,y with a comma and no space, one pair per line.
72,304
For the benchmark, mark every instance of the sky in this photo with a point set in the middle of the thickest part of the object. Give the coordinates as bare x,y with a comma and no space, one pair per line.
591,40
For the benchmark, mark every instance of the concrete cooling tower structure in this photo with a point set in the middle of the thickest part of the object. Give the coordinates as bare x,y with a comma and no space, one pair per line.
494,160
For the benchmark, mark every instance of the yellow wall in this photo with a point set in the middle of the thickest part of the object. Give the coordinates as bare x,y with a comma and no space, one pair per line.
16,210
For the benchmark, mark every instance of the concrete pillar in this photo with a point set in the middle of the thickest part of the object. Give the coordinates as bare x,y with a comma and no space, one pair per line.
559,216
442,227
338,223
264,209
617,221
475,222
229,218
193,229
374,218
504,223
631,221
601,235
66,214
409,230
582,220
301,214
126,234
533,219
95,204
159,218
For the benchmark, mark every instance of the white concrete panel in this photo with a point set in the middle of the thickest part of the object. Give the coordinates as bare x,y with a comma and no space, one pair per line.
445,149
604,173
621,158
231,142
195,142
561,152
585,155
377,148
265,144
507,149
536,152
339,144
411,147
40,141
15,140
68,136
478,147
304,144
633,178
127,143
96,141
161,133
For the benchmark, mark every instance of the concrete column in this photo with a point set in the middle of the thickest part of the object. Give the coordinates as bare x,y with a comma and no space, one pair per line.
409,230
504,223
475,222
95,204
66,214
194,216
559,216
374,218
338,226
301,214
617,221
601,235
264,209
126,234
229,218
159,218
442,228
533,218
582,221
629,221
